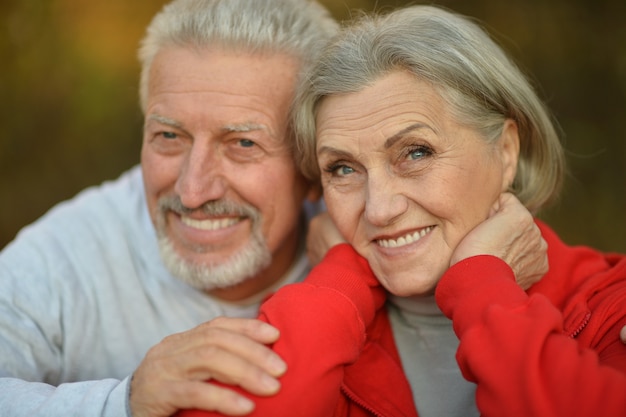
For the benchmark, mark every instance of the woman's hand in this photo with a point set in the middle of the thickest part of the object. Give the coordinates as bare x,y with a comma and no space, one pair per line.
511,234
322,235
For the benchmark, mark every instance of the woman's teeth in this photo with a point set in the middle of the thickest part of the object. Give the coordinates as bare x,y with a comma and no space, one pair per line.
405,240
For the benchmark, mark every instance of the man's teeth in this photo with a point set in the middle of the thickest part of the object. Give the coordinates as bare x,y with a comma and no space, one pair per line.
210,224
405,240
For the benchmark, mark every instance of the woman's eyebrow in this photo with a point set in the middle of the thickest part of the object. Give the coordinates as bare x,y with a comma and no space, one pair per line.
396,137
336,152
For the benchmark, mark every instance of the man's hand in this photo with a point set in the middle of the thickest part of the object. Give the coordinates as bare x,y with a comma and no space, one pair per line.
176,373
322,235
622,335
511,234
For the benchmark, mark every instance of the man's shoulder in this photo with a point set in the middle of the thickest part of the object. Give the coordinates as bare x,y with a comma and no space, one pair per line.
102,233
123,193
112,211
110,202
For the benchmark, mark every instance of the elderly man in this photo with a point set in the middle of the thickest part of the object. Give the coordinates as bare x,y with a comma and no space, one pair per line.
125,299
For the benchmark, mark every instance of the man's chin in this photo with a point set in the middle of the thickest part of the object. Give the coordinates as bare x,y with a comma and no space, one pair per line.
206,278
244,264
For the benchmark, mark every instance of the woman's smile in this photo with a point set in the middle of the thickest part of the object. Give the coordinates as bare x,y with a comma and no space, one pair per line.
403,180
404,240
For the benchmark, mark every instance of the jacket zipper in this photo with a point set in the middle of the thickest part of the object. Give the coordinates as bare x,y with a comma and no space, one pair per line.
581,326
360,402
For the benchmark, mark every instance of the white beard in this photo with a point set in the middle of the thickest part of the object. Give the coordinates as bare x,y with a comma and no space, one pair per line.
246,263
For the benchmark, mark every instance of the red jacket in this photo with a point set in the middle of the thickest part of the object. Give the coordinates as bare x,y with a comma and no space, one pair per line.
527,358
554,351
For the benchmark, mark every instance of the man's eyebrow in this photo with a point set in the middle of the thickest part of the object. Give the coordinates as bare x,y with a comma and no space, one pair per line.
397,136
244,127
241,127
165,120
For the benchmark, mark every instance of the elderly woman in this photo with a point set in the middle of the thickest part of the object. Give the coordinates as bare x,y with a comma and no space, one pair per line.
433,151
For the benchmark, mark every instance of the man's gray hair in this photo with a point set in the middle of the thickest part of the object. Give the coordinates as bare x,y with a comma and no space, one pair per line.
298,28
471,72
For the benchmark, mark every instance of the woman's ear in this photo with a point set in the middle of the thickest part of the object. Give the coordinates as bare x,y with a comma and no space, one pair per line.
508,145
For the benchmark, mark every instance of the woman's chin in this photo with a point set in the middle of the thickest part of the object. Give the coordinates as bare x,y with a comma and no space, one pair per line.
407,285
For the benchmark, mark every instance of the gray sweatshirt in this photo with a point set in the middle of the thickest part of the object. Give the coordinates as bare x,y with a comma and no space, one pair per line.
83,296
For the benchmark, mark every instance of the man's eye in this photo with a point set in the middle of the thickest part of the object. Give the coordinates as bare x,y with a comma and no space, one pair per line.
246,143
169,135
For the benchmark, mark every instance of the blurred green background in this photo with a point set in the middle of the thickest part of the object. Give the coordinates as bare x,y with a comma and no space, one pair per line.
68,98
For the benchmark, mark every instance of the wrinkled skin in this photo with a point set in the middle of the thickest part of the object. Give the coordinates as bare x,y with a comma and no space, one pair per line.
215,132
509,233
413,190
230,350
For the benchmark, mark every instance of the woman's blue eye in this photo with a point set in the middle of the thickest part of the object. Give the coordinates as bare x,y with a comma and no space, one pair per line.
338,169
416,154
344,170
419,152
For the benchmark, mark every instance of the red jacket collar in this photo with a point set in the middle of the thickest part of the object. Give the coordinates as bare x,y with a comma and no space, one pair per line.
366,382
570,282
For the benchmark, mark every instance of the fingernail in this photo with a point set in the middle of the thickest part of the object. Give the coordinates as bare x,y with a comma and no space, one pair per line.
270,331
277,365
270,383
244,404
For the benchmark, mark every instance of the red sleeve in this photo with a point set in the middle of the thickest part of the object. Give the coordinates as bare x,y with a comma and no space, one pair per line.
322,323
513,347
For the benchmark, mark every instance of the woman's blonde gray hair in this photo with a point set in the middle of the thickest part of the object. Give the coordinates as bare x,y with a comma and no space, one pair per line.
472,73
298,28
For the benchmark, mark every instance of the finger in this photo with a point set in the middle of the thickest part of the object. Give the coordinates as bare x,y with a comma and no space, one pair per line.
231,351
496,206
255,329
505,201
622,334
164,396
247,336
215,351
211,397
217,363
246,339
527,281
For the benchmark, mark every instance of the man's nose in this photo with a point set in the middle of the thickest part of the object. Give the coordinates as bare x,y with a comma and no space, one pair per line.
201,178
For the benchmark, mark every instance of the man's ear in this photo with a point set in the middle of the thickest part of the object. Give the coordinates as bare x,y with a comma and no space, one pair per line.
508,146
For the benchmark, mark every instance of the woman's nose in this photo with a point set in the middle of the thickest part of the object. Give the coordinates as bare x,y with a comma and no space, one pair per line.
384,200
